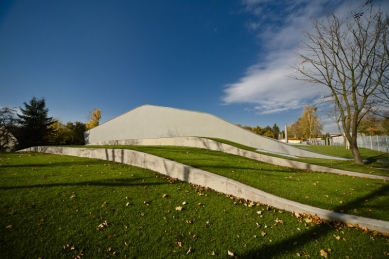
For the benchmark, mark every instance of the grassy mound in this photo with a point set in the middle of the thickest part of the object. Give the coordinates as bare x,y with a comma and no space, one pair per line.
68,207
351,195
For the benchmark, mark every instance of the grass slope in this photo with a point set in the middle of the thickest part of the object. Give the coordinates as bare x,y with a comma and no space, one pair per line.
68,207
343,152
373,164
357,196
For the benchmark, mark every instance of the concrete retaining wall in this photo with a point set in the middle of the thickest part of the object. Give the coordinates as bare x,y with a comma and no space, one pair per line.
206,179
217,146
147,122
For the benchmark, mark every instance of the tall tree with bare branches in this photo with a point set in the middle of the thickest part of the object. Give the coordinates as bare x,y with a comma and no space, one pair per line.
350,57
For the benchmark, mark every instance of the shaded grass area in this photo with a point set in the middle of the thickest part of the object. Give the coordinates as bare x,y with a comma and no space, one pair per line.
357,196
63,207
373,164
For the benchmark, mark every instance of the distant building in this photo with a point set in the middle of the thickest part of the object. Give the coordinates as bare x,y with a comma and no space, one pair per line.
293,140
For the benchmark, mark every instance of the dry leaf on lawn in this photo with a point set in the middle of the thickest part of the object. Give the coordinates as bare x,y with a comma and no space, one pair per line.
323,253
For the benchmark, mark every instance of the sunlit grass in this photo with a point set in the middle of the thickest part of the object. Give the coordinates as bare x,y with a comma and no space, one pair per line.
373,164
63,207
352,195
343,152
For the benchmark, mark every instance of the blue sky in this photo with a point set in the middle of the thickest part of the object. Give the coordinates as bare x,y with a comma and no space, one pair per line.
227,58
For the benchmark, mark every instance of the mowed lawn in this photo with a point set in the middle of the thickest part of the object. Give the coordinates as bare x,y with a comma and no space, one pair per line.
68,207
352,195
375,162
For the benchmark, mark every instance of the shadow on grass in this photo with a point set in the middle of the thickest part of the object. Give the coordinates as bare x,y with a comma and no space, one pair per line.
296,242
109,182
380,158
383,191
70,163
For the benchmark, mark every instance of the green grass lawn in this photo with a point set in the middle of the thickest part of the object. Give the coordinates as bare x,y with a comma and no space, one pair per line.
343,152
372,166
352,195
68,207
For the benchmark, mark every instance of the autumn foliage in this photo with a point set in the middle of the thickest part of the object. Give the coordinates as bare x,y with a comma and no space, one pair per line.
94,119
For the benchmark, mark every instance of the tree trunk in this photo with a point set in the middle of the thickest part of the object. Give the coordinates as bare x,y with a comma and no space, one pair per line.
355,150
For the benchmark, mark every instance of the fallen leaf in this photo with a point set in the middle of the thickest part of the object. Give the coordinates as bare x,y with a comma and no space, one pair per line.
279,221
102,225
178,208
9,226
230,253
184,203
263,234
323,253
188,250
164,195
179,244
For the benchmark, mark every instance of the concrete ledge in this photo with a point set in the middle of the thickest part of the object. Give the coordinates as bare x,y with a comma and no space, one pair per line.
207,179
217,146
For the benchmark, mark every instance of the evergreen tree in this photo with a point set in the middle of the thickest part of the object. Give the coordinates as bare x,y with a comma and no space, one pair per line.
34,124
276,131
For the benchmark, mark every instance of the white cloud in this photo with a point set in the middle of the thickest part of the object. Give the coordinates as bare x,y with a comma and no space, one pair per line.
266,84
270,89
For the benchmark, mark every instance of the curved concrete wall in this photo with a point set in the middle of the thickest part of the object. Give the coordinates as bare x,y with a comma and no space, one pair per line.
149,121
217,146
207,179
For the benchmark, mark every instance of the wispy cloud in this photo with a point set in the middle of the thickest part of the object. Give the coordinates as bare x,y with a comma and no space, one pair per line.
279,29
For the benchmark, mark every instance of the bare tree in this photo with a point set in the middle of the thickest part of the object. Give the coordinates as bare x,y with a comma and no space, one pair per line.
350,57
7,122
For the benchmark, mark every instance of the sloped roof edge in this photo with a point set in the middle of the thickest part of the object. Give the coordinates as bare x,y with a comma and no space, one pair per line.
206,113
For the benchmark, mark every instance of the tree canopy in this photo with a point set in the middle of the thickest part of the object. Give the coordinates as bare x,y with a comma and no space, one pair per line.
34,123
7,124
94,119
308,125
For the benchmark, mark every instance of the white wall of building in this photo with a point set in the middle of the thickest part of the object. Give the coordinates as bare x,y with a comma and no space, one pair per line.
148,122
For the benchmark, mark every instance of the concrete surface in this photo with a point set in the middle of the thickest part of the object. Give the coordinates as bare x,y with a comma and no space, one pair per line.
207,179
147,122
217,146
